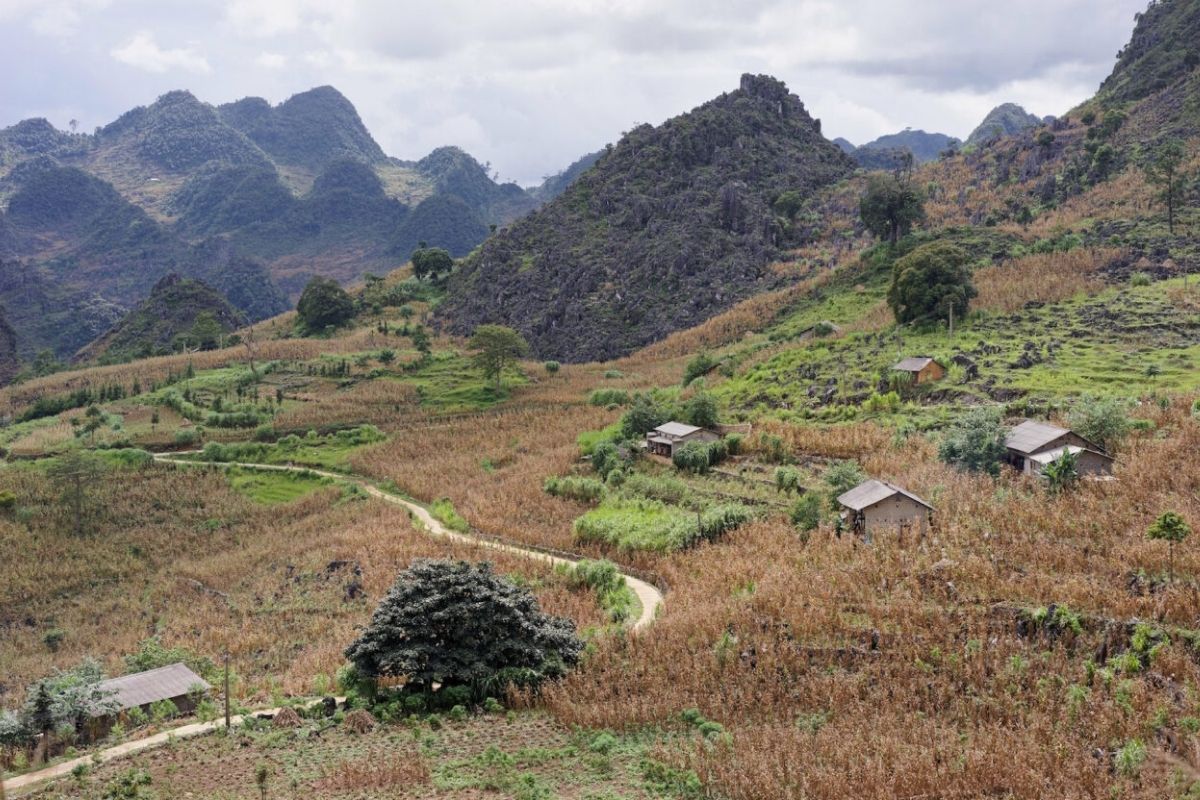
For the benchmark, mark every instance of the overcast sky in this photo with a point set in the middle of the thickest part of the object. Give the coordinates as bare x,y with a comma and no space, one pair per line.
530,85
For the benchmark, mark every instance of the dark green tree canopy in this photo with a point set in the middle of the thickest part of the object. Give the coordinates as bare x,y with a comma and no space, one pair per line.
931,282
495,348
431,262
454,623
324,303
891,206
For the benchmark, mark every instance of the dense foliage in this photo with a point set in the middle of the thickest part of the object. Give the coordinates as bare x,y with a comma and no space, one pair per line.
975,443
457,624
324,304
930,283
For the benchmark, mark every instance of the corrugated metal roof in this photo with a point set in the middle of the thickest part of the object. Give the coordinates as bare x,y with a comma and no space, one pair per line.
1030,437
871,492
913,364
676,429
1048,456
131,691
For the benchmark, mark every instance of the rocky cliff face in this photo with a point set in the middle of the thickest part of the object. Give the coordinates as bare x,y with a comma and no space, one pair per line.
671,226
9,365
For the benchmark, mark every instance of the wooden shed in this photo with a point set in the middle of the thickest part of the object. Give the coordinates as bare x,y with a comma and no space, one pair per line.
174,682
1032,445
922,368
663,440
876,505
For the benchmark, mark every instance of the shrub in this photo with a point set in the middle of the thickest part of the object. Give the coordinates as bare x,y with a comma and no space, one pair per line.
1139,279
187,436
8,501
609,397
443,510
699,457
805,513
664,488
573,487
844,476
787,479
733,443
605,459
608,583
975,443
551,367
644,415
1103,420
700,365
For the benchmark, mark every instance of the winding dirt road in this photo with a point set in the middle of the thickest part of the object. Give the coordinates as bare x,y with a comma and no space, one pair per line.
649,597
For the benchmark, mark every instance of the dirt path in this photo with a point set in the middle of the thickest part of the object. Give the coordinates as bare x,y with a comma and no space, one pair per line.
126,748
649,597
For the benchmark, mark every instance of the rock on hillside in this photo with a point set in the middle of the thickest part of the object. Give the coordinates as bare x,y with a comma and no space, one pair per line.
154,326
1164,47
310,129
1003,120
9,364
670,227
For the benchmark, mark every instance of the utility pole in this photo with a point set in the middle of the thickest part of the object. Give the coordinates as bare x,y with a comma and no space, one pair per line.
226,659
951,319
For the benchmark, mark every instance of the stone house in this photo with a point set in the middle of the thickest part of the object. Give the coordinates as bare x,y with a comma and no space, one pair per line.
1032,445
877,505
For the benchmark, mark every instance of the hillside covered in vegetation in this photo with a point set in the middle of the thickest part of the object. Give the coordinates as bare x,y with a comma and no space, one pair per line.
1031,633
180,314
673,225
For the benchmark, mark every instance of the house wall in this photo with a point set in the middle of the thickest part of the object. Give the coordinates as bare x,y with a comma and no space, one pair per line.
932,371
895,512
1093,464
1070,437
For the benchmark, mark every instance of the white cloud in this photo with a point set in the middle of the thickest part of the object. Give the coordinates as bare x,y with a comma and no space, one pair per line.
59,19
532,84
271,60
143,52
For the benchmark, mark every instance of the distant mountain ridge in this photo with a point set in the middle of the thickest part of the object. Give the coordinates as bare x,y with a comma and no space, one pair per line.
1003,120
251,198
924,146
672,225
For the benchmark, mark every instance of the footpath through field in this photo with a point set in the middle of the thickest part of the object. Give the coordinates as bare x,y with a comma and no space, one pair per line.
648,595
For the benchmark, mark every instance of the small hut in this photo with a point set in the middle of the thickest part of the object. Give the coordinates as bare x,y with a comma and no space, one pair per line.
922,368
875,505
174,682
663,440
1033,445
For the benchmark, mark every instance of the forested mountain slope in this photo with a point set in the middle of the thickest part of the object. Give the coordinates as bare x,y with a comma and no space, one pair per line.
672,225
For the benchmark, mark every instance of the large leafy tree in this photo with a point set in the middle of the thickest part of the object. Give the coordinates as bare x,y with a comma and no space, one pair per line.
975,442
931,282
323,304
458,624
891,206
431,262
495,348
